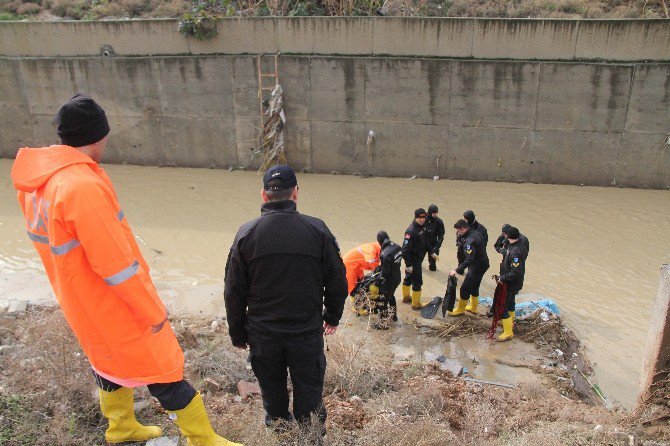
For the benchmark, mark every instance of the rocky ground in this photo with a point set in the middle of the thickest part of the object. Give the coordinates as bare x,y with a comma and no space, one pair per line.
47,395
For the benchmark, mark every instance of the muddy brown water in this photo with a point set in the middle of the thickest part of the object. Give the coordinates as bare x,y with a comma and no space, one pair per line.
595,251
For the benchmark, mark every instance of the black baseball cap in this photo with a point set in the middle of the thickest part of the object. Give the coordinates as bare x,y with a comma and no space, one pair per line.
279,177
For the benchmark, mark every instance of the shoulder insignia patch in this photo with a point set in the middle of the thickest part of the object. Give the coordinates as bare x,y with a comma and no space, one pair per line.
516,260
407,236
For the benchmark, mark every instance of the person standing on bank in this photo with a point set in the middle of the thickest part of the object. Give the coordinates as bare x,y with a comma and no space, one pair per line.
413,252
469,216
512,272
434,236
391,259
502,241
285,287
476,262
101,280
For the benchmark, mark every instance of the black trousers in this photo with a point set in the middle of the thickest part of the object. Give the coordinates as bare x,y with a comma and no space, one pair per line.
273,357
510,301
471,283
415,278
172,396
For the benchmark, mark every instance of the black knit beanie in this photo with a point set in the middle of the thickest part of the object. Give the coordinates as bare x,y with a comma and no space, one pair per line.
513,233
81,121
469,216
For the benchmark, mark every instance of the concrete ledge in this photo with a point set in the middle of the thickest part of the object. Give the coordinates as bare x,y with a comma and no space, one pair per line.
624,40
528,39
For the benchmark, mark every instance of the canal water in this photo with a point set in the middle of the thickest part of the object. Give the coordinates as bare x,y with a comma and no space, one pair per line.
595,251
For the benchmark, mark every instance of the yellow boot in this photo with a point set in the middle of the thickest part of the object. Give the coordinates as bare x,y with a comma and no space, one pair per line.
472,306
508,331
460,308
118,408
416,300
405,294
195,426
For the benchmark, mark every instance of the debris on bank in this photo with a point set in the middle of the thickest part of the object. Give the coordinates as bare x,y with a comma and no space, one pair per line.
537,323
370,401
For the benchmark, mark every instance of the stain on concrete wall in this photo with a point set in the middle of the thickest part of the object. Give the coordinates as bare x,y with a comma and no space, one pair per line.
550,122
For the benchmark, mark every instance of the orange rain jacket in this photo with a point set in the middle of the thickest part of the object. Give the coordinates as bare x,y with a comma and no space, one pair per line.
359,259
94,265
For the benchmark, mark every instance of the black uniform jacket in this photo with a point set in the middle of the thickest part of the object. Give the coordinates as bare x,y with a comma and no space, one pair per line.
502,242
478,227
434,234
414,245
474,249
391,258
283,269
513,266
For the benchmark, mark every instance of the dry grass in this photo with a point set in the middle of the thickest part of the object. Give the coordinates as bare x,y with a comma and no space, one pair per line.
87,9
46,398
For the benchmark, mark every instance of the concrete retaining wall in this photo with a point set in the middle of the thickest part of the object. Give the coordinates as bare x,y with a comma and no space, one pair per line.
530,39
549,122
656,361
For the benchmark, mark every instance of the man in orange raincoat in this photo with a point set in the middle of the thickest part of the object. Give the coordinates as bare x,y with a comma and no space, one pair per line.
102,281
360,259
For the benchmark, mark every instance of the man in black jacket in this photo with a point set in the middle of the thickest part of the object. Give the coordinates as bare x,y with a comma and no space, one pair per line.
390,258
469,216
413,252
434,236
512,272
502,241
476,262
285,287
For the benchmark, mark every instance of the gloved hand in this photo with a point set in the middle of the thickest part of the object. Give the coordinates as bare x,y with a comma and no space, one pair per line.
409,269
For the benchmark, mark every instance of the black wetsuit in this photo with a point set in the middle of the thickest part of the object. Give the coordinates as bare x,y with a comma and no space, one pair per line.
434,238
512,272
413,252
476,261
390,262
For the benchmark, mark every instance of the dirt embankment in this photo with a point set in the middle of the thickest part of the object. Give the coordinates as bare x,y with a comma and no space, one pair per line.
47,397
104,9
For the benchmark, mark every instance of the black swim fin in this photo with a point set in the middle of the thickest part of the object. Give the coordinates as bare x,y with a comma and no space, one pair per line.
430,310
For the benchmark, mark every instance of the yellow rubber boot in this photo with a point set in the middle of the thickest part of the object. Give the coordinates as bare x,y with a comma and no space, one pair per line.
195,426
416,300
405,294
508,331
460,308
472,306
118,408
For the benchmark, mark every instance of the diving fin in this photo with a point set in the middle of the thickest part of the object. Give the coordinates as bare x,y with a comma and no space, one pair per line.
430,310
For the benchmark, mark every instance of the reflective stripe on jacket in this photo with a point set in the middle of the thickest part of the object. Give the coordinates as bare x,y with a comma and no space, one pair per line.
94,265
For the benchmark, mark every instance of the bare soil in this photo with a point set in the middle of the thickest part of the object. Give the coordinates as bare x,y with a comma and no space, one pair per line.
47,397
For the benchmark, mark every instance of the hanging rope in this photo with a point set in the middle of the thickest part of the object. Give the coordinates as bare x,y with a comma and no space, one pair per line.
271,140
